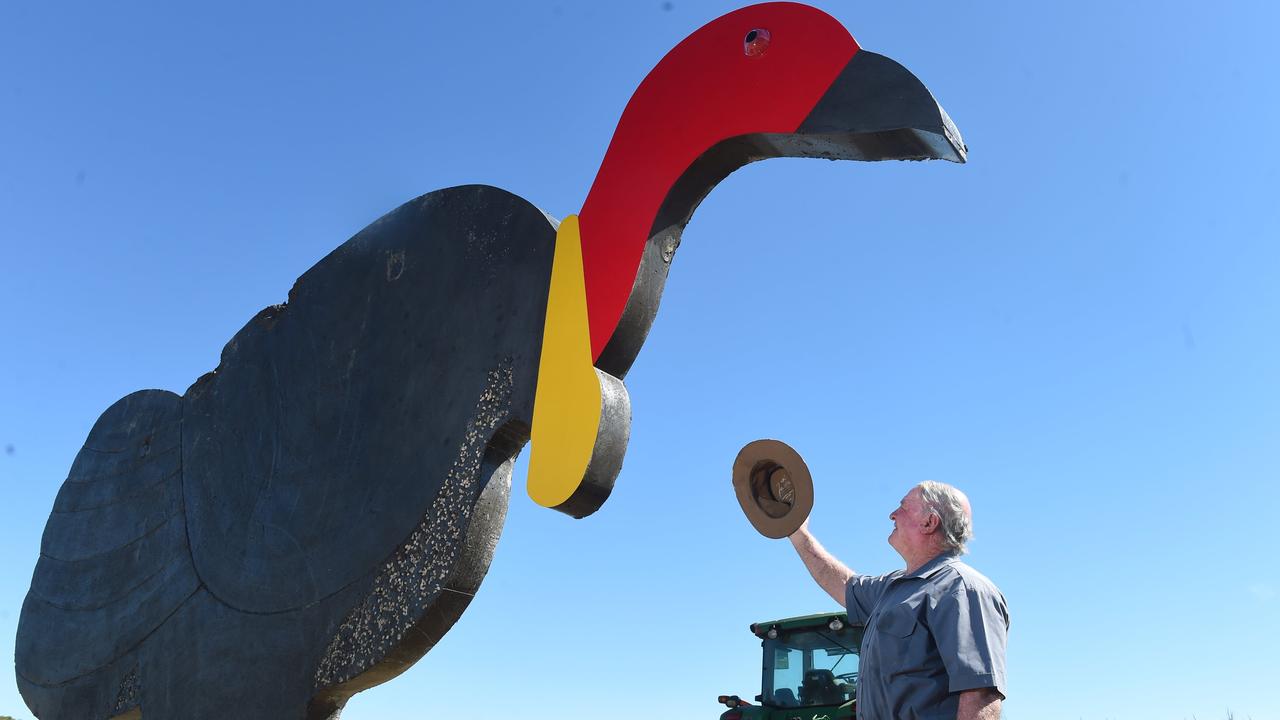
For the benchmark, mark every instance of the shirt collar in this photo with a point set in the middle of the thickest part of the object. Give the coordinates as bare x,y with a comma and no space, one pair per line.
939,561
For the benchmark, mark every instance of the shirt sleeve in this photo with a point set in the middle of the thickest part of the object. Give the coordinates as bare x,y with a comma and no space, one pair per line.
971,627
861,595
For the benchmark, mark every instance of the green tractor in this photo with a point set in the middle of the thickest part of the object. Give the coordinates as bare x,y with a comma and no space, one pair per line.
810,670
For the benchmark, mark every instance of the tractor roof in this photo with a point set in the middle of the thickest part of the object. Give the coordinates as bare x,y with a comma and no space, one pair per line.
798,623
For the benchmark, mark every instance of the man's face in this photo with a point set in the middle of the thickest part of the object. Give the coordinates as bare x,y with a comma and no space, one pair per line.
910,522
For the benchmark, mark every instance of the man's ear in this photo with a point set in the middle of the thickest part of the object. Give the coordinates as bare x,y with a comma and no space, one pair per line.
932,522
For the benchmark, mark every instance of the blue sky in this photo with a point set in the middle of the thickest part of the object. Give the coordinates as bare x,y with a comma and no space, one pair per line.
1079,327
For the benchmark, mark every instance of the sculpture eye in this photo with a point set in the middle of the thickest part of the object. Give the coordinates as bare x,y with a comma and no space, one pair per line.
756,42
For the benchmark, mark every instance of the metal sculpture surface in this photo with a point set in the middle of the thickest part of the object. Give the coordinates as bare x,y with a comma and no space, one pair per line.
310,517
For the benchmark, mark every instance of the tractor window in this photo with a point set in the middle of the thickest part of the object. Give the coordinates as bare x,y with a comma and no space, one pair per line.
788,671
811,667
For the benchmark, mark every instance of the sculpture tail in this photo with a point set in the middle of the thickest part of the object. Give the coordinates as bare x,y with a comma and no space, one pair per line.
114,564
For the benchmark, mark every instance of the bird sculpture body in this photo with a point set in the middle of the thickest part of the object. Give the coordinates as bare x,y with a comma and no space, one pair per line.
309,518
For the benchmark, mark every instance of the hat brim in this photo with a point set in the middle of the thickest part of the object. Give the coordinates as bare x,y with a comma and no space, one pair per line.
773,486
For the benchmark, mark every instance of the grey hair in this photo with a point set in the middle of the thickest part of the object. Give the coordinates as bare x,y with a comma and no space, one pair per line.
948,504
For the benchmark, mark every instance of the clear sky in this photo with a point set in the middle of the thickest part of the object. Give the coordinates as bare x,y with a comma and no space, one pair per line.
1081,327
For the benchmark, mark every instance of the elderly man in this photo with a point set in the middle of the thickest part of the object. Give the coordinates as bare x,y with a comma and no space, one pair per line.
935,631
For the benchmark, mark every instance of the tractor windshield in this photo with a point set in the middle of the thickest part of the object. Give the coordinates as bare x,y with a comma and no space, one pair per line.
811,667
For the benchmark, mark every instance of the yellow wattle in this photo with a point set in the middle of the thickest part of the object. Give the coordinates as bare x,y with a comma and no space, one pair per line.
567,403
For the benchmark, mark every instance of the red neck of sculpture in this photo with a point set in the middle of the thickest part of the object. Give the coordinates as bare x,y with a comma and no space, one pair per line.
704,91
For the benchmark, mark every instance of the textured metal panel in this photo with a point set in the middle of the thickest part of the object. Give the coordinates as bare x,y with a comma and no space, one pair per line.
332,422
343,476
114,561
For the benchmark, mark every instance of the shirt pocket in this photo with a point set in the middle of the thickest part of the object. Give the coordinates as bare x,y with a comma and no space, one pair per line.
898,622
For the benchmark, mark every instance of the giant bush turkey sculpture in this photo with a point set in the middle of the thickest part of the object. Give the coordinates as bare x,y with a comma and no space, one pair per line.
310,517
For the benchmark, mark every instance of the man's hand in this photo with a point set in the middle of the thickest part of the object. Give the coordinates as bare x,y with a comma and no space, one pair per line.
980,704
830,574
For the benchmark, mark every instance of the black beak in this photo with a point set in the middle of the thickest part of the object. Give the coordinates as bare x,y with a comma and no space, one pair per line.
876,110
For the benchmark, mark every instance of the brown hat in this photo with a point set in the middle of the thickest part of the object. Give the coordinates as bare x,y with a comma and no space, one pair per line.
773,486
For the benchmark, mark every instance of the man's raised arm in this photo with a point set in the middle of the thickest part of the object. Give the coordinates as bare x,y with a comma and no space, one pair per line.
830,574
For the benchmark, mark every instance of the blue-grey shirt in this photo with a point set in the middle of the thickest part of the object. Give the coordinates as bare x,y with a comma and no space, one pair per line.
930,635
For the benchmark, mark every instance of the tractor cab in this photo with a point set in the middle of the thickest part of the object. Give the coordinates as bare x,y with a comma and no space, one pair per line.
810,670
